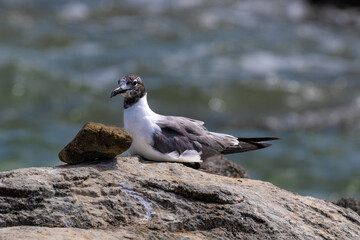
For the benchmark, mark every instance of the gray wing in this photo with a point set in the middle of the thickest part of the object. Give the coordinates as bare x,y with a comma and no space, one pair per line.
180,134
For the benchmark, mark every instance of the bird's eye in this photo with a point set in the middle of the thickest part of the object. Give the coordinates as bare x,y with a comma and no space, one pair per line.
135,82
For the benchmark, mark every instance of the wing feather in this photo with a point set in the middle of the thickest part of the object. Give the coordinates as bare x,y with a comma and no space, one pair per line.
178,135
181,134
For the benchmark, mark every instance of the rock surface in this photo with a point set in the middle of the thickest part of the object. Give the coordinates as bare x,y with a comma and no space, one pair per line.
222,166
134,232
96,141
128,197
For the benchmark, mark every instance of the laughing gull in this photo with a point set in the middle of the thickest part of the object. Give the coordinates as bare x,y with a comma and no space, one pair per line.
173,139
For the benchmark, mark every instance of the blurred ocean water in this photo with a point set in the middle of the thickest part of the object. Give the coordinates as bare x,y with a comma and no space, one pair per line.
248,68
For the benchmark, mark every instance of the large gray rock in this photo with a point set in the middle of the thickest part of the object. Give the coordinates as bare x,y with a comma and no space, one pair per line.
96,141
131,198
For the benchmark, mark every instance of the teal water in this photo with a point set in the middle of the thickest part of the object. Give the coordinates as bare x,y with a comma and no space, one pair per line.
248,68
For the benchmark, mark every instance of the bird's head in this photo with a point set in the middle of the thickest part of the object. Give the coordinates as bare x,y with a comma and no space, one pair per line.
130,87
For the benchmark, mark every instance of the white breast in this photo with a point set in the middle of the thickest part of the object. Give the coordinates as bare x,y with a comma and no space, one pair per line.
139,121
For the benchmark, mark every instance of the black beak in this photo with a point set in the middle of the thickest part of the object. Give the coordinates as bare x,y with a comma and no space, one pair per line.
116,92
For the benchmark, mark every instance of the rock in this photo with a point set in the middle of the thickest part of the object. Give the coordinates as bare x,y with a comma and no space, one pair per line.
96,141
130,198
349,202
222,166
134,232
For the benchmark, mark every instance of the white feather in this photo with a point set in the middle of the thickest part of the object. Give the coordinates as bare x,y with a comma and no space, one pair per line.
232,139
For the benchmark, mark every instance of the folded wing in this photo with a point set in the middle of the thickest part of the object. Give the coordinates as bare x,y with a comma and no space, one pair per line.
180,135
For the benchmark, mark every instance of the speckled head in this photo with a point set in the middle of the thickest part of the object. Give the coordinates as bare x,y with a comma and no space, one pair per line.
131,88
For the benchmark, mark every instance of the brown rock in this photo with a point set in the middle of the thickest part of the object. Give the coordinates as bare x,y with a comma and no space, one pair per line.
96,141
222,166
130,198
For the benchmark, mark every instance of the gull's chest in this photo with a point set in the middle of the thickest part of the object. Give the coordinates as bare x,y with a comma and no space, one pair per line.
140,123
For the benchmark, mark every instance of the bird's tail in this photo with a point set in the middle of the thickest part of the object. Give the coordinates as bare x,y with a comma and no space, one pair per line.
249,144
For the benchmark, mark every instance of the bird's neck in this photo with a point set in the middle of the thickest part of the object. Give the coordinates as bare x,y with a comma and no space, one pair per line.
129,102
140,106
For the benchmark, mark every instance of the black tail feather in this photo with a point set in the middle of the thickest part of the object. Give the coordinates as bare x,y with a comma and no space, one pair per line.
249,144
